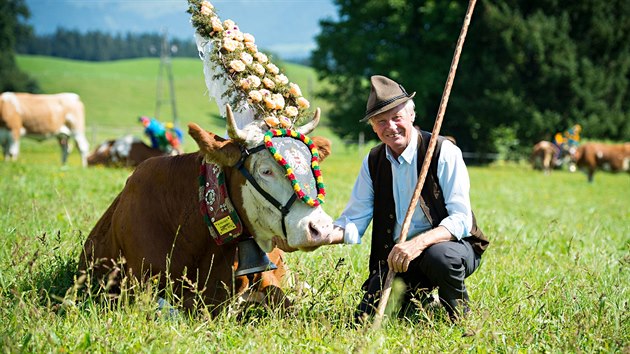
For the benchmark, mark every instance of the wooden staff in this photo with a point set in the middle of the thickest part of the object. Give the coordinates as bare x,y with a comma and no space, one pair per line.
387,289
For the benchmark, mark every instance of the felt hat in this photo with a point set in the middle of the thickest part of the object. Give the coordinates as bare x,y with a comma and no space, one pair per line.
384,95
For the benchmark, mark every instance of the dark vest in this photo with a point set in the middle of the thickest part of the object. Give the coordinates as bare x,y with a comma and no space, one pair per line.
431,201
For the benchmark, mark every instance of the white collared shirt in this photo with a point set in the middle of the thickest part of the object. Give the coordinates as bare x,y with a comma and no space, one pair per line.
453,179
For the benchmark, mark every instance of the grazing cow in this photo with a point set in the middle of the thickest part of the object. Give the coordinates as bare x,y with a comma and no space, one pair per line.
127,151
42,116
612,157
544,156
155,225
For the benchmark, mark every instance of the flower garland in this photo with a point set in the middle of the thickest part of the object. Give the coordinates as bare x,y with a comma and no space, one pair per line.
278,102
319,180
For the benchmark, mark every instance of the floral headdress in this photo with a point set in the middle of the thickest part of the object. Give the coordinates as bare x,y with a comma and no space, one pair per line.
238,74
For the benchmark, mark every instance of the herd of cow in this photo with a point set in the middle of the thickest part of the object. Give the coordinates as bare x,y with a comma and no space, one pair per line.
588,157
154,225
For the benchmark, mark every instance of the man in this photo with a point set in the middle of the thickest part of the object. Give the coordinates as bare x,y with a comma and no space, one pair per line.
444,245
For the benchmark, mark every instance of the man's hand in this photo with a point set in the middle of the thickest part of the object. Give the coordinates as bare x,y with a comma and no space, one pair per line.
403,253
282,244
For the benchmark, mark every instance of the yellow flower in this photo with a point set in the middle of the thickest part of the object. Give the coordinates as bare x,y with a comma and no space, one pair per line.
268,83
282,79
245,84
294,89
261,57
269,103
237,65
272,121
272,68
291,111
303,102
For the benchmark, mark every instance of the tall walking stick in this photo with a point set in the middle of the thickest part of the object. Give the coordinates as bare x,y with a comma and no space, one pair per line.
387,289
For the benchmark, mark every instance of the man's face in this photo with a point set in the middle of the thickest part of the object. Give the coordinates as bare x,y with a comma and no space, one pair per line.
394,127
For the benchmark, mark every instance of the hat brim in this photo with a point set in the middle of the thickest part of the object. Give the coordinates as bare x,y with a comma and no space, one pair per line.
387,107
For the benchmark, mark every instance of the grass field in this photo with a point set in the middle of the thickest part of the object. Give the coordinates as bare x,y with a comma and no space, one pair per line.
556,277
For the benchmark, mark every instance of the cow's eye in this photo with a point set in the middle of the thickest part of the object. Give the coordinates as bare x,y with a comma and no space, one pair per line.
266,172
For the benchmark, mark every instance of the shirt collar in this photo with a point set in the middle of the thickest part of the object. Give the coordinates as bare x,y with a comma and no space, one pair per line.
409,152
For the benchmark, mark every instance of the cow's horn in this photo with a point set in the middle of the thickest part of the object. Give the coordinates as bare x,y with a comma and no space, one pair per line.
310,126
232,128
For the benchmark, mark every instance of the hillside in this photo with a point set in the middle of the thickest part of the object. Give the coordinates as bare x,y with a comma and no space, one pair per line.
115,93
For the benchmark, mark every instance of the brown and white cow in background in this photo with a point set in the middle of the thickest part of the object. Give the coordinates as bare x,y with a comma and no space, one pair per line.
127,151
156,226
611,157
40,117
544,156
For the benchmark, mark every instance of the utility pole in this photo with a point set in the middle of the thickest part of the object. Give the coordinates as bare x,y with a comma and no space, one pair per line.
165,65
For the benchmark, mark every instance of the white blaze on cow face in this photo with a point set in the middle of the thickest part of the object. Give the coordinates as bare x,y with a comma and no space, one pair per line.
306,227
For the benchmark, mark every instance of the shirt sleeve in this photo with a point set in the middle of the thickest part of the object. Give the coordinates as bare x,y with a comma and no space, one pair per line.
455,183
358,212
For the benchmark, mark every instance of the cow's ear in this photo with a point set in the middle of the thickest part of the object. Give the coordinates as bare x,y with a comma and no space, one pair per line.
215,148
324,146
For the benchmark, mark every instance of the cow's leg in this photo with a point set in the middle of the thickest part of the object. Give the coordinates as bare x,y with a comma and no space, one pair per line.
6,139
14,146
63,143
83,146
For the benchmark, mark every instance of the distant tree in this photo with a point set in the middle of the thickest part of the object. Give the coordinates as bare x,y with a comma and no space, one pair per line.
13,13
528,68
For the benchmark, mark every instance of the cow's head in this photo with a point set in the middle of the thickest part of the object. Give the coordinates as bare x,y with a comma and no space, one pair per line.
305,227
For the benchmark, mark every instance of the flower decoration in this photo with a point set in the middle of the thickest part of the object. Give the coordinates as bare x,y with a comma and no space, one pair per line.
319,180
254,78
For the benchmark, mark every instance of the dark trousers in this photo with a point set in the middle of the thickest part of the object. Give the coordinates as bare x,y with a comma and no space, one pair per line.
444,266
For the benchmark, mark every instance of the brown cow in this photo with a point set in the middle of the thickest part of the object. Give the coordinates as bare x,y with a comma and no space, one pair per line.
544,156
155,223
42,116
127,151
613,157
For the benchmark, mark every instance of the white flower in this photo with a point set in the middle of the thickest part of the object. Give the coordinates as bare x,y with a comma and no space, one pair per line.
265,93
254,80
245,84
272,121
291,111
206,8
251,47
248,37
294,89
285,122
282,79
269,103
237,65
246,58
216,24
261,57
279,100
258,69
229,25
230,44
268,83
255,96
303,102
272,68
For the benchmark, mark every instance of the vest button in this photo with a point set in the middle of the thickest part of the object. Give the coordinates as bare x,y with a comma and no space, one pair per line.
386,246
391,216
389,231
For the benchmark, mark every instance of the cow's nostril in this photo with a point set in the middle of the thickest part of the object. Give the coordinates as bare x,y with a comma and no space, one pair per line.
314,231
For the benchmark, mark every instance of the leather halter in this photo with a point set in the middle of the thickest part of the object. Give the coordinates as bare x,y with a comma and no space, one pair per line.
284,209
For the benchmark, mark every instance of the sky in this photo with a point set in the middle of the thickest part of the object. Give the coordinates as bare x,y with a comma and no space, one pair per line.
285,27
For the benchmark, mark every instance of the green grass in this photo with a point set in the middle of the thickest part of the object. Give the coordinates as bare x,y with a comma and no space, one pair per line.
555,279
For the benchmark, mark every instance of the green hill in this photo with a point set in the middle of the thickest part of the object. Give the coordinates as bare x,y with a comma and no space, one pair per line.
115,93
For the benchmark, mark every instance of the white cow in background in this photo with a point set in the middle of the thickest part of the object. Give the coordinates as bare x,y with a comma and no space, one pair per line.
40,117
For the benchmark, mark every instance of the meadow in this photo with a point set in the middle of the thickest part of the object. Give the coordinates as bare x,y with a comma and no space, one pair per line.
556,277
